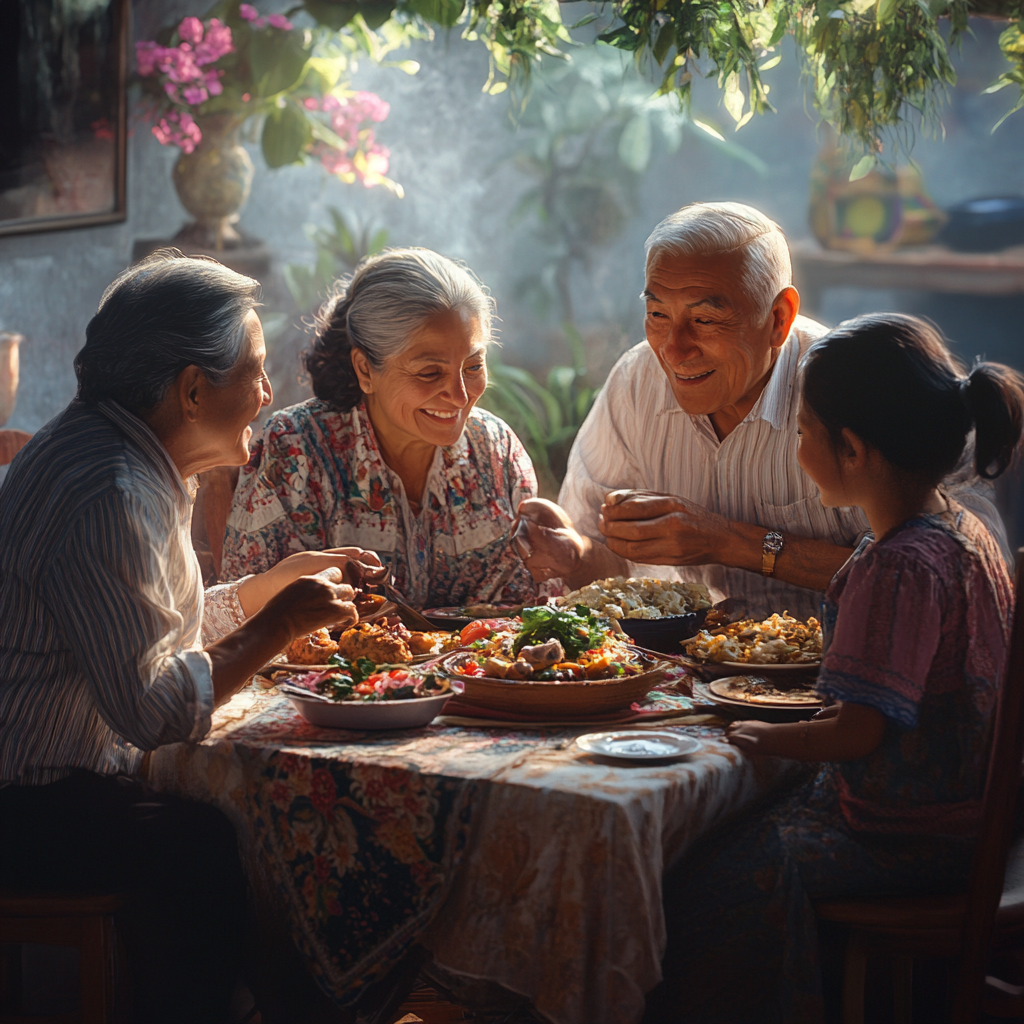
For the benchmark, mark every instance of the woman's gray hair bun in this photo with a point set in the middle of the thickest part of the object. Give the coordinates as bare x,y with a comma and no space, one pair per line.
378,309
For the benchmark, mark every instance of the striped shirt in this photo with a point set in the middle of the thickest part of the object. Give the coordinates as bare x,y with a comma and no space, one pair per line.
636,436
101,601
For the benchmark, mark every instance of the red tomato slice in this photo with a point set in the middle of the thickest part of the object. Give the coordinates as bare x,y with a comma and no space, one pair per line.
366,686
478,629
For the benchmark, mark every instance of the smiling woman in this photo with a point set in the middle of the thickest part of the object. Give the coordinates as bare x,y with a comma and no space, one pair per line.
392,454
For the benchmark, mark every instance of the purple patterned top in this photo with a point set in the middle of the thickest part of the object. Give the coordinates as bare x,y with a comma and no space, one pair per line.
317,480
921,636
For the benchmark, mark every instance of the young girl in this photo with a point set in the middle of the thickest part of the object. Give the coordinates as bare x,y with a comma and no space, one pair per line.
913,666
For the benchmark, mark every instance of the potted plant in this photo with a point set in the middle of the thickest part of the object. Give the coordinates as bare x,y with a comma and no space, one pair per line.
206,79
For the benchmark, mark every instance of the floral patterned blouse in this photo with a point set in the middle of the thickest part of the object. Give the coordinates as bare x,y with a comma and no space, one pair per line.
921,636
317,480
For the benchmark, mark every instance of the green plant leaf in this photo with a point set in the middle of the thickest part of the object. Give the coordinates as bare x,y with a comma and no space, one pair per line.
286,133
277,59
863,167
332,15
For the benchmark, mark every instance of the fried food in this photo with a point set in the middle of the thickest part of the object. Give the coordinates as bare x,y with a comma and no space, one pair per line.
379,643
431,643
778,640
311,649
639,597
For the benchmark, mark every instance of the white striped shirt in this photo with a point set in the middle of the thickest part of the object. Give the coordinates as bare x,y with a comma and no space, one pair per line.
101,601
636,436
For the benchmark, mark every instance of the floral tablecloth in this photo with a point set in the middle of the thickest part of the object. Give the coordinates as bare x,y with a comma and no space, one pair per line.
510,854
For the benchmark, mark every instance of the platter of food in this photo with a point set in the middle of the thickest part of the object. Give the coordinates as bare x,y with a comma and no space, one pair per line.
364,695
551,660
383,641
457,616
656,614
638,744
778,645
773,700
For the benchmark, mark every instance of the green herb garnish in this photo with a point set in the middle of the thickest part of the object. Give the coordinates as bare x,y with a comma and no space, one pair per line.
577,631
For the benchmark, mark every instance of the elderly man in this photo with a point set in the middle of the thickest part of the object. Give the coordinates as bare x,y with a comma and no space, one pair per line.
108,645
686,466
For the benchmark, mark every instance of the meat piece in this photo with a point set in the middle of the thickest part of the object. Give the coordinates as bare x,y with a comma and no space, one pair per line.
497,668
311,649
542,656
519,669
379,644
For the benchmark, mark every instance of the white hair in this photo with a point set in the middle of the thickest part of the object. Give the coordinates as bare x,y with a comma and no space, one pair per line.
706,229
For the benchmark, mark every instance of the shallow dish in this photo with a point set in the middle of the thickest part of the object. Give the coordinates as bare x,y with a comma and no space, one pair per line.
762,712
638,744
383,714
665,634
578,697
720,669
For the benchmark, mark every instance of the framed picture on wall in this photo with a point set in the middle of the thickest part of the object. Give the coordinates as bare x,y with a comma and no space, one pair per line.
63,120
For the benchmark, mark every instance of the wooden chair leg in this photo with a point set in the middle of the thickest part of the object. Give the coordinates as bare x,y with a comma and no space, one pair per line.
96,971
903,989
854,972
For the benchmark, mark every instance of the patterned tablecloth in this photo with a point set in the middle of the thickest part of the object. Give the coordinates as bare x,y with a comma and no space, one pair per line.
512,855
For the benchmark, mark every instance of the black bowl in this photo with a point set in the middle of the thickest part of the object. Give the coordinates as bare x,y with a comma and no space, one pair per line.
664,634
985,225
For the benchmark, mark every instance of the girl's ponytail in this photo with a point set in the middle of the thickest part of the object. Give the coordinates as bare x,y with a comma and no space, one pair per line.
994,396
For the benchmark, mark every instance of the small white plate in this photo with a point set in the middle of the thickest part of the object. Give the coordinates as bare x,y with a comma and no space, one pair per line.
638,744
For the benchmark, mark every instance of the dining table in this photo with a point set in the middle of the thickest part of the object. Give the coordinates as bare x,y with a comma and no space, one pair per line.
512,855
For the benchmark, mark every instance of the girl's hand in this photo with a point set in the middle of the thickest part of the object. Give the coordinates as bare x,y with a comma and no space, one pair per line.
355,566
830,712
751,737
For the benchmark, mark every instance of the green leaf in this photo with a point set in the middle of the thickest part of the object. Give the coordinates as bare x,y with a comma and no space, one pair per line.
332,15
278,60
286,133
666,37
377,243
635,144
769,64
445,13
886,11
713,132
863,167
375,14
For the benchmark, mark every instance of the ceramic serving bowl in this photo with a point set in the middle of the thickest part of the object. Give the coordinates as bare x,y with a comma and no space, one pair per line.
582,697
383,714
663,635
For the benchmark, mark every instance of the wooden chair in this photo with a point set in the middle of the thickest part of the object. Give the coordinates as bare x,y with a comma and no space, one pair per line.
11,442
210,518
966,926
82,922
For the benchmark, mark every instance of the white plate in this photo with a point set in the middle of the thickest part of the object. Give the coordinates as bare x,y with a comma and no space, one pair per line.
638,744
384,714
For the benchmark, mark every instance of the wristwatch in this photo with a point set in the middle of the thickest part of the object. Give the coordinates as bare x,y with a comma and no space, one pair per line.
770,548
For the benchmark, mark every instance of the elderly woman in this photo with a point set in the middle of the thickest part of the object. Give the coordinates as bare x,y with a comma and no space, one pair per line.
391,454
103,623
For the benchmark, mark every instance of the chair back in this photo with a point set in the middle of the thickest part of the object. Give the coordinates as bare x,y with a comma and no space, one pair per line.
992,848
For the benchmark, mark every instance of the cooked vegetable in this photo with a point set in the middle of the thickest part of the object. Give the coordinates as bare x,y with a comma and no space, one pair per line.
577,631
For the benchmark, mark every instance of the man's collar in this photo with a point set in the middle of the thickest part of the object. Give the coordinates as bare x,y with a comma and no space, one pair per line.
775,402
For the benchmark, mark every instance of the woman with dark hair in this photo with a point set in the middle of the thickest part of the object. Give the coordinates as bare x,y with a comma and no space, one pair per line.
391,454
108,645
917,628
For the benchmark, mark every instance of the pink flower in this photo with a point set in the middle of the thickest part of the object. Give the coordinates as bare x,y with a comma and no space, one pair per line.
195,95
146,56
178,129
330,103
335,161
212,80
248,13
280,21
371,106
190,30
172,90
216,43
310,103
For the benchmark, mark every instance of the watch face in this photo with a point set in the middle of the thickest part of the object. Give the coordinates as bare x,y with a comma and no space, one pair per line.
772,543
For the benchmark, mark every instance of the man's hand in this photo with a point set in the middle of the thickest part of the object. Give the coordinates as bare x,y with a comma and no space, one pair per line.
546,540
356,567
659,529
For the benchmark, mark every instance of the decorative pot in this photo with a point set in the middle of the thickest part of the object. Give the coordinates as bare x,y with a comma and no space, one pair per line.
213,183
9,343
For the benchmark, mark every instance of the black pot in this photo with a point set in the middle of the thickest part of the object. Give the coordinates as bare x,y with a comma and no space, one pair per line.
985,225
664,634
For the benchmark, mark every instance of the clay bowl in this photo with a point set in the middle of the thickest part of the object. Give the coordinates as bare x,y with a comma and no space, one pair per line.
585,697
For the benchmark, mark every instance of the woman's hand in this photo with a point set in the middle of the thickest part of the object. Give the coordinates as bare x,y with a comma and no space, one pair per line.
546,540
356,566
751,737
311,602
